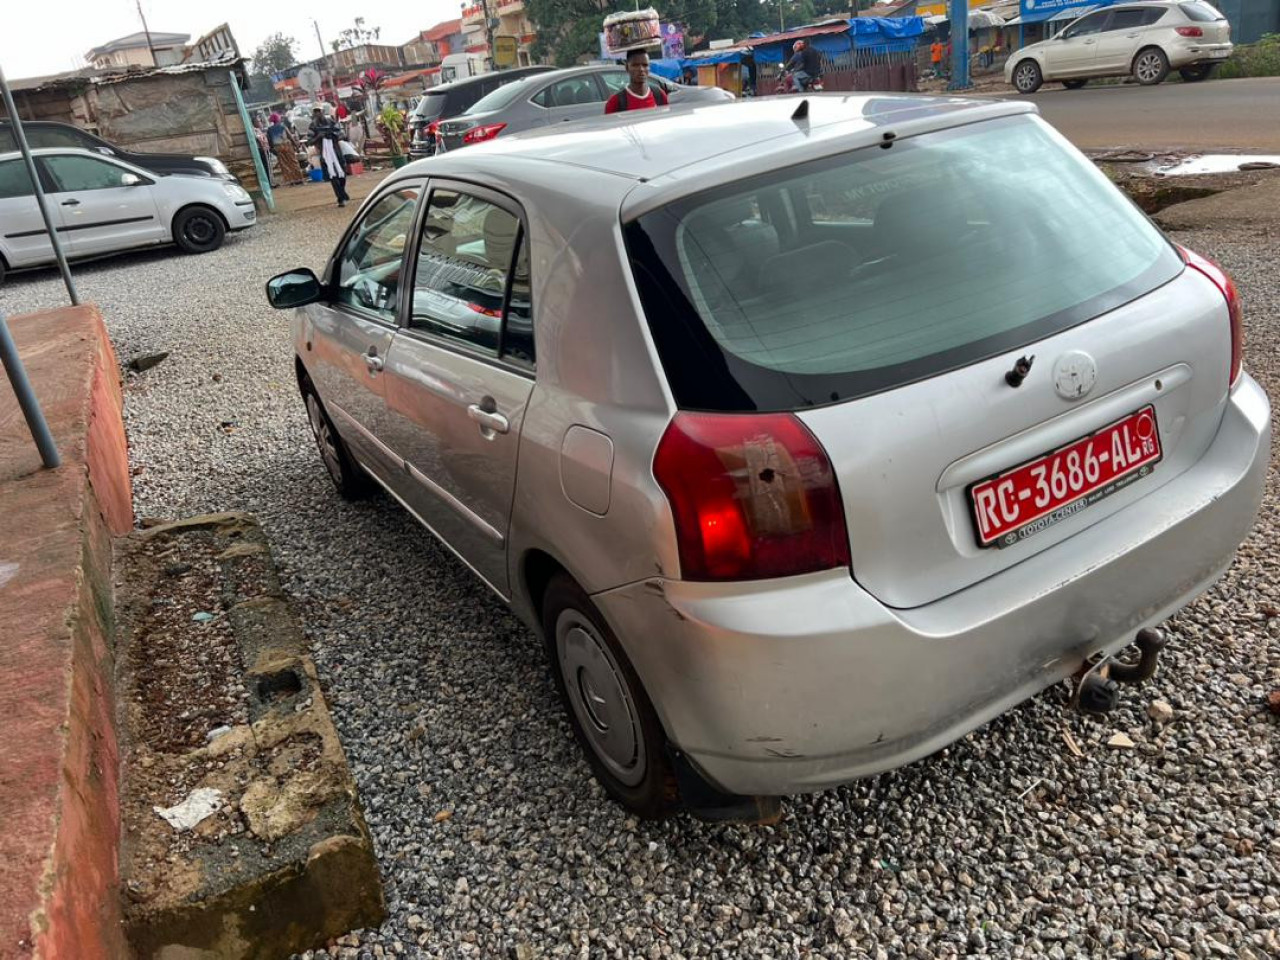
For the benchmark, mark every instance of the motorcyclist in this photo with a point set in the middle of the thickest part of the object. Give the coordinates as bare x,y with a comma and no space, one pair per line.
804,66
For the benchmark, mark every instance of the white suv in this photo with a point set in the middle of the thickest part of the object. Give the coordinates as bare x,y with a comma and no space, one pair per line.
1144,40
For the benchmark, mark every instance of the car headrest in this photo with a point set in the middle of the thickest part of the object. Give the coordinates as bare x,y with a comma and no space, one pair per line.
500,230
919,220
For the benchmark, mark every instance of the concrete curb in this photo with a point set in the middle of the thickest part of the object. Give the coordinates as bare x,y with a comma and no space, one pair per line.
286,863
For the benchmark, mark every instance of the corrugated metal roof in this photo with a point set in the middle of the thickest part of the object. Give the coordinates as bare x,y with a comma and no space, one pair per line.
840,26
108,75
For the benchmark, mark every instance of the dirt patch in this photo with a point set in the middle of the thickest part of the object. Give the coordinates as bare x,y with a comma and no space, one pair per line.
183,663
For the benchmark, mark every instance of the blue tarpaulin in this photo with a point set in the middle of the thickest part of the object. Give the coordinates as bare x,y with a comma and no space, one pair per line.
885,33
1037,11
671,68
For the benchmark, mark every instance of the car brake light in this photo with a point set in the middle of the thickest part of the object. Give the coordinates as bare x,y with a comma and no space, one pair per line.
1222,280
1189,31
481,134
753,496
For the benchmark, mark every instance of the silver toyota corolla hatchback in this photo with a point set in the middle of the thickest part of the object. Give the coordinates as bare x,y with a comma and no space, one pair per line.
811,435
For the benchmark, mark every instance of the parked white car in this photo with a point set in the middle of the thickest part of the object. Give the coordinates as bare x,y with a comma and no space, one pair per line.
104,205
1145,40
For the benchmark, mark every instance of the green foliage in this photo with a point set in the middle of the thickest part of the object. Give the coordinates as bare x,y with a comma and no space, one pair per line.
1261,59
274,55
392,121
570,29
355,36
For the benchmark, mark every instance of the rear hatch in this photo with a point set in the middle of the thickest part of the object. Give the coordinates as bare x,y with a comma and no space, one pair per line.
884,295
1214,26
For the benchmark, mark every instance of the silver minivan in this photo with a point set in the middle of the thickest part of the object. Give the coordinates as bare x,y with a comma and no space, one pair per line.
811,434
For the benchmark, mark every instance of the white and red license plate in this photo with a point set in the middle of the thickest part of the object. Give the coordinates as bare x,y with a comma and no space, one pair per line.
1040,493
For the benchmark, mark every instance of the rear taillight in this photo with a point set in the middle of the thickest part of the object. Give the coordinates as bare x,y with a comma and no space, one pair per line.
1189,31
481,134
1222,280
753,496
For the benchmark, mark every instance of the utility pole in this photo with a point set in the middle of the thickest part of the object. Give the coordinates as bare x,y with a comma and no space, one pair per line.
333,91
488,34
958,14
147,31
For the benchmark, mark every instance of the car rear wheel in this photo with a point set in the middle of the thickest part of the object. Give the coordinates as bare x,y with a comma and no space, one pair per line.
1196,73
198,230
349,480
611,715
1150,66
1027,77
2,270
1074,84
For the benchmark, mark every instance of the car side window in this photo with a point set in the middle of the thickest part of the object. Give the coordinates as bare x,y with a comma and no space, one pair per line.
14,180
1086,26
568,92
467,265
1127,19
1152,15
42,137
614,80
72,173
369,269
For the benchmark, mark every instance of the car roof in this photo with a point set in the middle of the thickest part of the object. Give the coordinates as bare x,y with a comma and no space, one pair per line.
714,143
74,151
516,74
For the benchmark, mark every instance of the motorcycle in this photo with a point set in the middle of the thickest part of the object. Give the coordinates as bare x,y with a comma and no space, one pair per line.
785,84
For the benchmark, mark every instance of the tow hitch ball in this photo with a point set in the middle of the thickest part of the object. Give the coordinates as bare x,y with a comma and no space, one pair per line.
1098,690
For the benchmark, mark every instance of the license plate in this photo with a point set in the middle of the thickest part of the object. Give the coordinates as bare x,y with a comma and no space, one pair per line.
1220,53
1034,496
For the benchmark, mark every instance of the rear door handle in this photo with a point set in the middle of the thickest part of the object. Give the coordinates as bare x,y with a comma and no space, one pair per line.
373,361
488,419
1132,36
71,203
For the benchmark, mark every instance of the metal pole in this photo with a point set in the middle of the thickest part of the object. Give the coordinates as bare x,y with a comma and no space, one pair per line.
333,90
43,201
147,31
958,14
26,397
259,168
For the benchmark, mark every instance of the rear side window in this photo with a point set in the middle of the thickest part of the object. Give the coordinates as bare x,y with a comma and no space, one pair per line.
851,275
14,180
40,137
506,94
1152,15
431,106
1200,12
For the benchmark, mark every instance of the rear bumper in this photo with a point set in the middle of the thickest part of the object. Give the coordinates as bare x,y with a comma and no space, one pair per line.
796,685
1199,53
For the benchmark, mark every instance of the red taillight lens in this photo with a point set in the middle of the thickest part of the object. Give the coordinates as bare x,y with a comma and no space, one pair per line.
753,496
1222,280
1189,31
481,134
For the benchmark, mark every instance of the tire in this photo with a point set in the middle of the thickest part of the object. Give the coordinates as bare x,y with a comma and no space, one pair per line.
349,480
619,732
1196,72
198,230
1075,84
1150,66
3,270
1027,77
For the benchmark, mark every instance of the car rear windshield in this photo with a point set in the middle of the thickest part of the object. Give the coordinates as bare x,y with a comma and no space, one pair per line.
506,94
430,106
854,274
1201,12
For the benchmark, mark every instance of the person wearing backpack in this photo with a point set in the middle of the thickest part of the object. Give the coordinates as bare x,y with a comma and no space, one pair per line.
639,94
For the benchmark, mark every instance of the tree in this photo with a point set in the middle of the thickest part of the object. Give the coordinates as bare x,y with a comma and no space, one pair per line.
356,36
274,55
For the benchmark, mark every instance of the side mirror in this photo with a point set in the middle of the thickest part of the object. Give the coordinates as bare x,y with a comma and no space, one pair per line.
130,180
294,289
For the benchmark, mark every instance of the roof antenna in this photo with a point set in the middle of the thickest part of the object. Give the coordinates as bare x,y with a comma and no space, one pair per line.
802,111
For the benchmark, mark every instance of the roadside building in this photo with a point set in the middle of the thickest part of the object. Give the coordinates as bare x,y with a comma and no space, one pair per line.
140,50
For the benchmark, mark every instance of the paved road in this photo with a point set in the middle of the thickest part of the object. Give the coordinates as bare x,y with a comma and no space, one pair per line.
1219,114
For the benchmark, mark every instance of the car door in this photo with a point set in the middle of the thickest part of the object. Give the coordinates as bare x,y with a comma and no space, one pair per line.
571,98
105,206
460,372
1120,39
1074,50
24,240
349,333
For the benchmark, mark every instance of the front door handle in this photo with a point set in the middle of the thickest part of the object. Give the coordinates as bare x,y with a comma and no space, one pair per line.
373,361
487,418
1132,36
71,203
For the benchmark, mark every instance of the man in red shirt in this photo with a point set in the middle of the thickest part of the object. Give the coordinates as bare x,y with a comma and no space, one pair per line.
638,94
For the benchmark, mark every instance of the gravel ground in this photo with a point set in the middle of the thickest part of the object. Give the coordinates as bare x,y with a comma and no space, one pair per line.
494,840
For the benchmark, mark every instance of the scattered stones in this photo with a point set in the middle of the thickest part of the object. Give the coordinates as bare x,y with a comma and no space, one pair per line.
1160,711
1120,741
143,363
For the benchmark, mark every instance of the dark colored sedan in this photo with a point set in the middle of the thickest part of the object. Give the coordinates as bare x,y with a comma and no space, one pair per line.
42,134
450,99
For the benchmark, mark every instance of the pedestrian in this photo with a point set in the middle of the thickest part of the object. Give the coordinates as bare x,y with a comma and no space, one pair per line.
281,142
935,55
342,112
638,94
326,136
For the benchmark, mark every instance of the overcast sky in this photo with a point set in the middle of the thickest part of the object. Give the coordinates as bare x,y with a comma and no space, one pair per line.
49,36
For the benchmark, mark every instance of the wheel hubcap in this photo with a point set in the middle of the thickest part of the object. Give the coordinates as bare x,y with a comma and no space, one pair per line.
600,697
324,438
1026,78
200,230
1149,67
